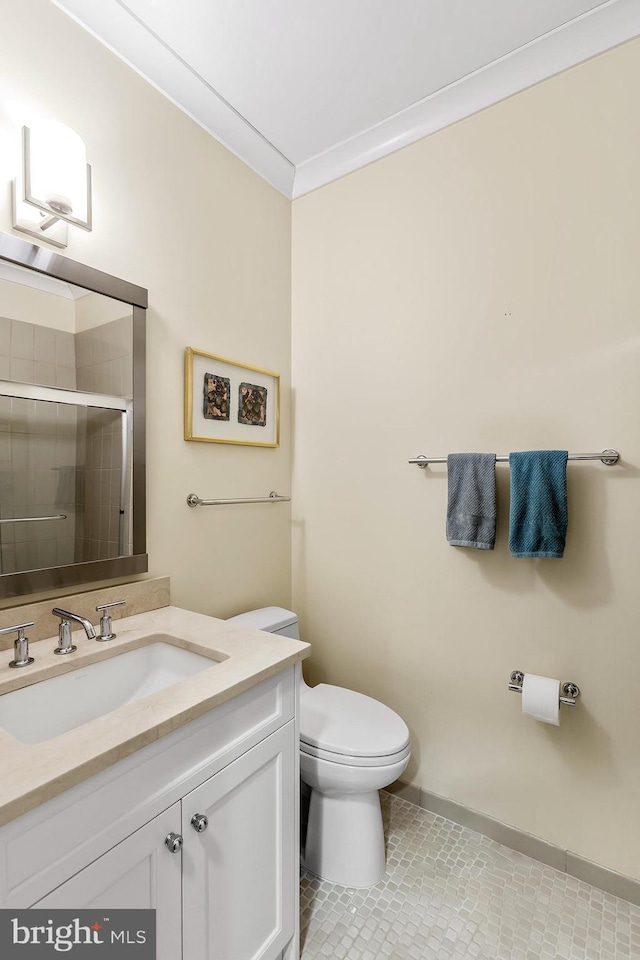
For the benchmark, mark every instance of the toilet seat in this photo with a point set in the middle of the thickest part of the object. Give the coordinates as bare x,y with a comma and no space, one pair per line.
354,761
346,727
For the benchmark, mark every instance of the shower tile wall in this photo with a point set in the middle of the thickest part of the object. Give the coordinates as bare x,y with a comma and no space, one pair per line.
37,449
99,482
37,478
104,356
56,458
34,354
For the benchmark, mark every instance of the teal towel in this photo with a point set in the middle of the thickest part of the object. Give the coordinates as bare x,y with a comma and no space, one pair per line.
538,511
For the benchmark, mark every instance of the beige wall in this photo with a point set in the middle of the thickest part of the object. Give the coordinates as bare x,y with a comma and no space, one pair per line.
93,310
29,305
175,212
480,290
475,291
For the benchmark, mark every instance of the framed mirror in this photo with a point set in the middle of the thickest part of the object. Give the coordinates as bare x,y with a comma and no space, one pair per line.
72,422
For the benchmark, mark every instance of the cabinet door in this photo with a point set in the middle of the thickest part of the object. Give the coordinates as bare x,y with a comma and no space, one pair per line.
138,872
239,874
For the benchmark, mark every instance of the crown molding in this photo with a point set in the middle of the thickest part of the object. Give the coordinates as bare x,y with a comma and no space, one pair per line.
40,281
601,29
126,36
606,26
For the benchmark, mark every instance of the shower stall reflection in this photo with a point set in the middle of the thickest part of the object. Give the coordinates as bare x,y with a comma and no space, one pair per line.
64,479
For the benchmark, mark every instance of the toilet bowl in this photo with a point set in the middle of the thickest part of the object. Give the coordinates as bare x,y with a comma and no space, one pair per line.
351,746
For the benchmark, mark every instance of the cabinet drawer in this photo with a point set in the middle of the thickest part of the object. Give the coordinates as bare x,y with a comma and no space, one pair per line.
46,846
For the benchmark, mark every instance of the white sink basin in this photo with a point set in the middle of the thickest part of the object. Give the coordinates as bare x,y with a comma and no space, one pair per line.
46,709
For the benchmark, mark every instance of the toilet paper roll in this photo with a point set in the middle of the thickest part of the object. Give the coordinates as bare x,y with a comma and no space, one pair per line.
541,698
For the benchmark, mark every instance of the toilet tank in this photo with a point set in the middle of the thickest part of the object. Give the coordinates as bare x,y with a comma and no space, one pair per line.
271,620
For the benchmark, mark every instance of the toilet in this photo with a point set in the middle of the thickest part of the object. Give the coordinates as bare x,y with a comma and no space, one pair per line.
351,746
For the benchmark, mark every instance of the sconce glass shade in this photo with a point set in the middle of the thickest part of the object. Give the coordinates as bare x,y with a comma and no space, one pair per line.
53,186
57,171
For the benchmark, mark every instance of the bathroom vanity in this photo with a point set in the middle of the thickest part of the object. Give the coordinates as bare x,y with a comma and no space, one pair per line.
159,769
184,800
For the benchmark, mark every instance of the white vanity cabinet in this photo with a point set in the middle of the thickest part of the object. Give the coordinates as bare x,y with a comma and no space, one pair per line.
134,873
229,892
238,885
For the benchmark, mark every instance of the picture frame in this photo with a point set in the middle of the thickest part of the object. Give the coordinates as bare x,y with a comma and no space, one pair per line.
226,401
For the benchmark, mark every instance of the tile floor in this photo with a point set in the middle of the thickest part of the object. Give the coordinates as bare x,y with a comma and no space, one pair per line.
451,894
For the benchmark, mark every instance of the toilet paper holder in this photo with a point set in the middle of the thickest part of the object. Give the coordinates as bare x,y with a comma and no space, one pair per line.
571,690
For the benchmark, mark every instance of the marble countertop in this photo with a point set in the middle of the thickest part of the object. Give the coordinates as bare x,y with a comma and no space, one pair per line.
30,774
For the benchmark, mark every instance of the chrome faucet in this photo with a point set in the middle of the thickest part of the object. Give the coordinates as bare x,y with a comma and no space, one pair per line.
64,631
106,628
21,656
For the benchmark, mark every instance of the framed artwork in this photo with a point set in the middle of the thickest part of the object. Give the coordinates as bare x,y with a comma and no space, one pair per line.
230,402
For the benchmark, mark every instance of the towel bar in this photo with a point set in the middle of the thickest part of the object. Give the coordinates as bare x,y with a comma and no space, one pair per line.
194,500
608,457
58,516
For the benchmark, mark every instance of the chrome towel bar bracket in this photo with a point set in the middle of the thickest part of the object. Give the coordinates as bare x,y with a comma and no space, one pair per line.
194,500
608,457
571,690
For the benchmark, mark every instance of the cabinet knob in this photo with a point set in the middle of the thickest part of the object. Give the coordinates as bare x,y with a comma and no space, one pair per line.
173,842
199,822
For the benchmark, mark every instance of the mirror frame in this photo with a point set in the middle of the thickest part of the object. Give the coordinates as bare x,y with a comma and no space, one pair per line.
34,257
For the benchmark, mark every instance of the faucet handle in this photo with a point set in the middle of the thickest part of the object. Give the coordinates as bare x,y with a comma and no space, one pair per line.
64,639
20,644
106,630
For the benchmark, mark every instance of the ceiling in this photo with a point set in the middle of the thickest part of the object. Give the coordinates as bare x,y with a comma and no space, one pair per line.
305,91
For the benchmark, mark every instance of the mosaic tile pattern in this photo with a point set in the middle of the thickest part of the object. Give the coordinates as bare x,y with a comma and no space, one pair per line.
451,894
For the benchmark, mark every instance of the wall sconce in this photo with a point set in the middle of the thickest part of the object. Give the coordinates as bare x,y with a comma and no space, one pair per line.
54,185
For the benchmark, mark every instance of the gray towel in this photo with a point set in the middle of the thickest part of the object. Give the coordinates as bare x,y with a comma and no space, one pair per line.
471,511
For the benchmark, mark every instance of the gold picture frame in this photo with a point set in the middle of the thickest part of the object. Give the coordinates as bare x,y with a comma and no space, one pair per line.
224,405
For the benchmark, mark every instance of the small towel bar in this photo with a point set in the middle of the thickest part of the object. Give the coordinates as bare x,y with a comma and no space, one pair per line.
194,500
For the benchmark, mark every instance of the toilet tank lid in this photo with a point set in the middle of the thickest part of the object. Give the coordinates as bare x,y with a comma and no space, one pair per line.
266,618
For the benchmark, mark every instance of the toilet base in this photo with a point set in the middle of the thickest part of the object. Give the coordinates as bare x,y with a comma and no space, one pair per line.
345,839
